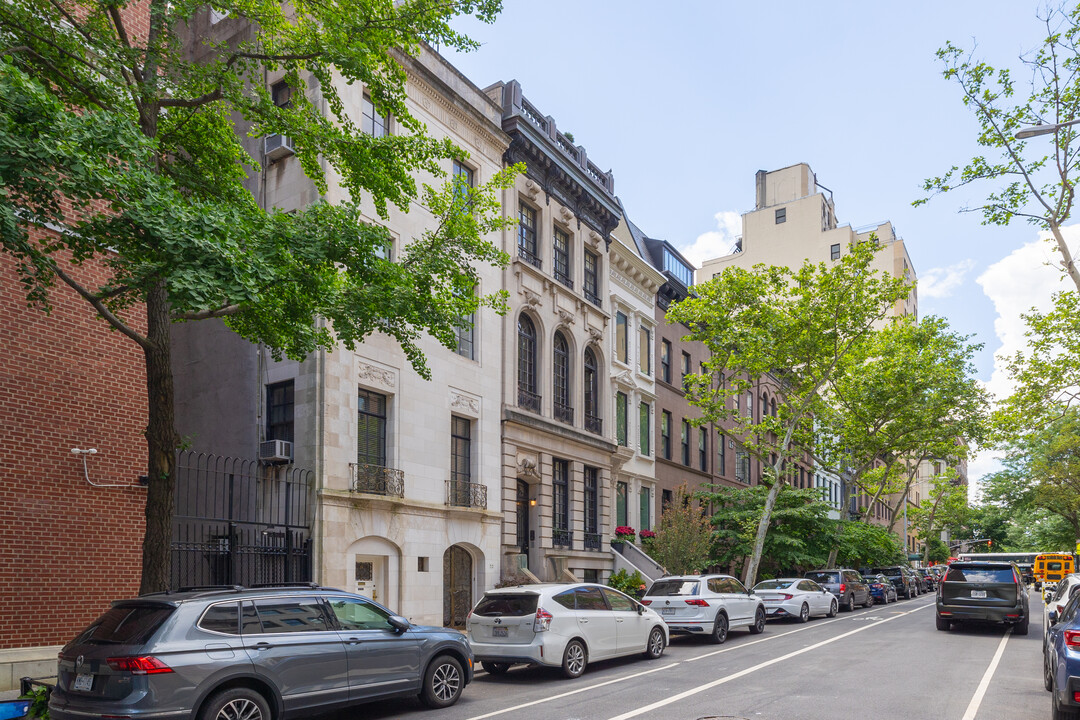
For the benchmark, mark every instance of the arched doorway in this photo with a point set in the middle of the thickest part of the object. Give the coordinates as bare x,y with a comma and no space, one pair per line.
457,586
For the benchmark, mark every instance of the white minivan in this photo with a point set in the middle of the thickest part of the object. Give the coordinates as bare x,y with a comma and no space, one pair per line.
565,625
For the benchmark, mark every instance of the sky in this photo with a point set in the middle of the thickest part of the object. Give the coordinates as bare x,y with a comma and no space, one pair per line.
685,102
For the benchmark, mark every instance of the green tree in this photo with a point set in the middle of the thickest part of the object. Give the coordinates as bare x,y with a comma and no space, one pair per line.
794,327
132,151
683,541
1031,183
946,505
863,545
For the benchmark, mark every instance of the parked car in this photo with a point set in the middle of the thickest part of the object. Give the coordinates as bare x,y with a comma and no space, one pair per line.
901,577
1061,595
253,653
565,625
846,584
795,597
881,588
983,592
707,605
929,578
921,583
1061,660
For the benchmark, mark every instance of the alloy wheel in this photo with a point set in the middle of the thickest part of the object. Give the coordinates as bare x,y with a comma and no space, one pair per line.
240,709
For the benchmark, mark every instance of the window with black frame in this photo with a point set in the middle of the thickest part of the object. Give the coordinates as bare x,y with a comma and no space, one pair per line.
561,253
527,249
279,411
371,428
592,278
685,443
527,395
592,508
564,412
620,419
461,462
560,527
593,423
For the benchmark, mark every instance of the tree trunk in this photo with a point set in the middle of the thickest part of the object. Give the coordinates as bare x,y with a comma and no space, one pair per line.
763,528
161,444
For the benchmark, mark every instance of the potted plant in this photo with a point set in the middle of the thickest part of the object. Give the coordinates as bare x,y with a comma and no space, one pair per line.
623,534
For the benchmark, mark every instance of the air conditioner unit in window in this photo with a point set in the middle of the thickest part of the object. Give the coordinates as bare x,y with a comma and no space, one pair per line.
275,451
276,147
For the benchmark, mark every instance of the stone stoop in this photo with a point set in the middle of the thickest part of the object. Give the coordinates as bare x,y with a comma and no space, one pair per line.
36,662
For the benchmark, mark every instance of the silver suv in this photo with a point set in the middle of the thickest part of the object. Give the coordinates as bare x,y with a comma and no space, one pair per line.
258,654
707,605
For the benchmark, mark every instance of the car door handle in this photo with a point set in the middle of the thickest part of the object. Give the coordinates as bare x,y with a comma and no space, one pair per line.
583,621
353,641
619,620
263,646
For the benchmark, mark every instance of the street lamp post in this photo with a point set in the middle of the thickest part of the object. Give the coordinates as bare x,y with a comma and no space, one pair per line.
1033,130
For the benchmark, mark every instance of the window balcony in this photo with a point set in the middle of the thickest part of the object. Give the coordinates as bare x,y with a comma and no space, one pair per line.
564,413
561,538
376,480
592,541
528,400
594,424
530,257
564,279
593,298
466,494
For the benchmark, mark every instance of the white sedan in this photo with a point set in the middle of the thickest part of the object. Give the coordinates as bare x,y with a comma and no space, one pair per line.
795,597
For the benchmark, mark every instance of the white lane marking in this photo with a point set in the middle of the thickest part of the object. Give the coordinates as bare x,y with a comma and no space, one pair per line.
572,692
755,668
976,700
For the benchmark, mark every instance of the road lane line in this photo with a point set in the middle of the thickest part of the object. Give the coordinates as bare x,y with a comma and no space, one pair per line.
976,700
573,692
755,668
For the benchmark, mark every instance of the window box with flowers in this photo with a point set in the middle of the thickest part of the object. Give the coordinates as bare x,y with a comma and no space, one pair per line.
646,534
623,534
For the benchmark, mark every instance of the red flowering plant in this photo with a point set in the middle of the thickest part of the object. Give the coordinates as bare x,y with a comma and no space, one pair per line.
625,533
646,534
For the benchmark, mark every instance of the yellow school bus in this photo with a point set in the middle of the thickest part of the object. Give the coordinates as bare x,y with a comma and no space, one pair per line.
1052,567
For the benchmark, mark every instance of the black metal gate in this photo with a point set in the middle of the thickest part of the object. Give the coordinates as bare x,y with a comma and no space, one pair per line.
237,522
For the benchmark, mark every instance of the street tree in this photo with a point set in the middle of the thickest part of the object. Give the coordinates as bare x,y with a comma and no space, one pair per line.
863,545
1032,179
117,148
789,327
684,537
945,506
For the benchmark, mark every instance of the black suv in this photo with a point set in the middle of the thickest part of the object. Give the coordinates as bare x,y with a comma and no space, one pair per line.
902,578
983,592
257,654
846,584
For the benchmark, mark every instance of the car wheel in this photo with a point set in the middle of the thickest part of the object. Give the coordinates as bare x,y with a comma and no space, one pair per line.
804,613
869,600
720,628
942,623
1048,675
495,668
574,659
832,608
238,702
655,647
443,682
907,593
1021,628
850,604
759,622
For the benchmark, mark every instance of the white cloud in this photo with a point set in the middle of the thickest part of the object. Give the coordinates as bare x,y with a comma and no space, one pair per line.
941,282
717,242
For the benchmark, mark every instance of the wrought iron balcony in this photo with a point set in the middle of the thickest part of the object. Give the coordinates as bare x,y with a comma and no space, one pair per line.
593,298
594,424
564,279
466,494
376,480
530,257
528,400
561,538
592,541
564,413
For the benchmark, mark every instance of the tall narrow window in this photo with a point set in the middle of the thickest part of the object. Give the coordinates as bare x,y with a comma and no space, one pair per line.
562,258
644,427
742,464
527,235
622,339
620,503
279,411
460,462
665,434
646,508
281,93
463,180
645,349
561,367
528,398
620,419
371,428
685,442
703,449
593,423
592,509
592,278
464,334
750,405
373,123
685,367
560,521
665,360
721,451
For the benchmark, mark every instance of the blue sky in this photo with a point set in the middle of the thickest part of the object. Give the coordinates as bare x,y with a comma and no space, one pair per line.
685,103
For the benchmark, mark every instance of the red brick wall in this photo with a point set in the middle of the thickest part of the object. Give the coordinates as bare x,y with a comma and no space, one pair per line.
66,381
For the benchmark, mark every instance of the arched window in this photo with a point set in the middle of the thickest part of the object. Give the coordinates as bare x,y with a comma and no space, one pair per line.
561,370
593,422
527,395
772,407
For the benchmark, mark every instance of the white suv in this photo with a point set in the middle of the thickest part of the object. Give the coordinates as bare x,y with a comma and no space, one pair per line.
707,605
563,625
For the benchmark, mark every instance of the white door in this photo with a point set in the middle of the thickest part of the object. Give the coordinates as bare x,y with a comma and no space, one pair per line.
631,627
370,577
742,605
596,622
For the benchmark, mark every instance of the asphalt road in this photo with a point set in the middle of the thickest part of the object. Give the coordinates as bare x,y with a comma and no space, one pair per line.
884,663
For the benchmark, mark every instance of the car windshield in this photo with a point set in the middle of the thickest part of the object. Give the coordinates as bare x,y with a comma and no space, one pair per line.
888,572
514,605
126,625
674,587
1000,574
774,584
824,577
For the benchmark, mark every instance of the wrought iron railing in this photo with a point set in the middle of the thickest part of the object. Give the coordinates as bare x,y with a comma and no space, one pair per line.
594,424
561,538
530,257
593,298
376,480
466,494
528,400
564,413
592,541
564,278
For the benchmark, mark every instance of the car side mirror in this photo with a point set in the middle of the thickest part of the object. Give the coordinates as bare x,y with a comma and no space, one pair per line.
1052,616
640,609
399,623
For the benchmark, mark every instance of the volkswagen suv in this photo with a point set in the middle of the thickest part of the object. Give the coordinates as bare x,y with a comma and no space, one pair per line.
258,654
706,605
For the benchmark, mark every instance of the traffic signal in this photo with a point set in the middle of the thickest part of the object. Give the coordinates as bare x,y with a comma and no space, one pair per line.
989,544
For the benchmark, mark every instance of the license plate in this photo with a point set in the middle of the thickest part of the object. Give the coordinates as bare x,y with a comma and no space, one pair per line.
772,599
667,611
84,682
499,632
978,593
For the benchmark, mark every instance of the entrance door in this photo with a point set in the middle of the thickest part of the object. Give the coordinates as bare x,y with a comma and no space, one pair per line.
457,586
371,577
523,516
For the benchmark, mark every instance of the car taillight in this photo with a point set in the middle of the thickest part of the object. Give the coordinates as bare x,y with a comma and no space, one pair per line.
698,602
143,665
646,602
843,588
786,596
542,621
1072,639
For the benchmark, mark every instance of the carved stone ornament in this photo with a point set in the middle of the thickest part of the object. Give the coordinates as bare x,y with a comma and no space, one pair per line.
463,402
566,214
528,467
531,189
531,297
376,375
567,317
624,378
594,238
596,334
